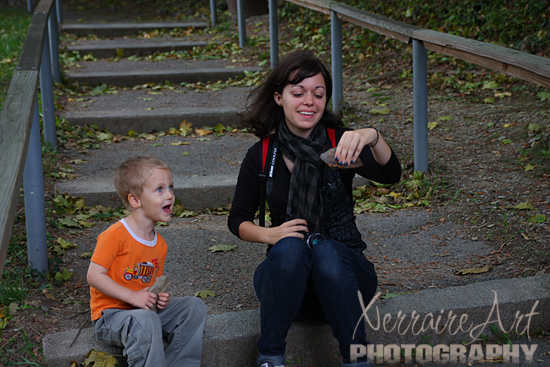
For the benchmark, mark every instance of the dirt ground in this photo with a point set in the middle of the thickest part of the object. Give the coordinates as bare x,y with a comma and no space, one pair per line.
490,161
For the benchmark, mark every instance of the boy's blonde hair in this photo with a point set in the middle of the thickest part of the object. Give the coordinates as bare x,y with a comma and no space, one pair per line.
132,174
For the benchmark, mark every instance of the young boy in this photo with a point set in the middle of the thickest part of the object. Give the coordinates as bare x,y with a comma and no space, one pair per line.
128,258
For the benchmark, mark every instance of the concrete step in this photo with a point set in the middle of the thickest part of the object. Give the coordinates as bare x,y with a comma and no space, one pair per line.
132,78
124,47
230,337
230,340
197,193
144,121
126,29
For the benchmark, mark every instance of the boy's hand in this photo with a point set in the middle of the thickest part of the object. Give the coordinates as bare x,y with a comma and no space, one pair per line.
163,300
144,299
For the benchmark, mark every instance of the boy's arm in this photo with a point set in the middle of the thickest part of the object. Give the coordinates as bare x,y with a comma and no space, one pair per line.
98,278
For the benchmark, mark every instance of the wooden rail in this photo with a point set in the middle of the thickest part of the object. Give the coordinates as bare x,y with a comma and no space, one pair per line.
16,120
532,68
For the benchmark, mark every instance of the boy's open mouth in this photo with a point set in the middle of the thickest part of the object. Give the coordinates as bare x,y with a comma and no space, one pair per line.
167,208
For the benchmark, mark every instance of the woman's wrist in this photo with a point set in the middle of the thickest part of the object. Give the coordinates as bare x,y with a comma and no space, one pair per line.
372,145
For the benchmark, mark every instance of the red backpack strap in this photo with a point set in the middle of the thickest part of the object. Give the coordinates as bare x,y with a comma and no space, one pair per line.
332,136
263,178
265,150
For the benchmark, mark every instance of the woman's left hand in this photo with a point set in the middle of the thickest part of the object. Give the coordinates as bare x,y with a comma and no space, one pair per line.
352,143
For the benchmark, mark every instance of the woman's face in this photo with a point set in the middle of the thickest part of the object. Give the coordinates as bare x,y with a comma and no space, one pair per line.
303,104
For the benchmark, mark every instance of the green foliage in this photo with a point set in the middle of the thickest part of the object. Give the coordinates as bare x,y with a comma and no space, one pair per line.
73,213
416,190
521,24
30,354
13,29
12,288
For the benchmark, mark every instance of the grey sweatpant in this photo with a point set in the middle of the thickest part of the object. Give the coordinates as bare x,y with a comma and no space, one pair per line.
140,332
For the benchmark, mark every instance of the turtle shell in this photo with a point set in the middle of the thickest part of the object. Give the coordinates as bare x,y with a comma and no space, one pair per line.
329,158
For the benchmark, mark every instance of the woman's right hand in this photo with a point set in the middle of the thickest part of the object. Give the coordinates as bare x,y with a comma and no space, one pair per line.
250,232
292,228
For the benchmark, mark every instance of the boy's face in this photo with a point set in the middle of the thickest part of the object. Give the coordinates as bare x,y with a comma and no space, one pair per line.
157,198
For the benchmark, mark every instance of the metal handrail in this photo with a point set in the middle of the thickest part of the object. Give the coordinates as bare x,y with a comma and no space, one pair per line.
20,143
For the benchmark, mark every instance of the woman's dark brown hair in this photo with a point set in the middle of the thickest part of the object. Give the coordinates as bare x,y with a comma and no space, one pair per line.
262,115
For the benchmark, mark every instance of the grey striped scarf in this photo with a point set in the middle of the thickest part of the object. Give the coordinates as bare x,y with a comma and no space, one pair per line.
305,199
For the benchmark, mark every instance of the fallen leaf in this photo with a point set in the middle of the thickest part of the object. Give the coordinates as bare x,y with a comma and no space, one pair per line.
503,95
490,85
185,128
432,125
66,245
68,222
476,270
380,111
13,308
99,359
539,218
48,295
78,161
526,205
201,132
204,294
222,248
533,128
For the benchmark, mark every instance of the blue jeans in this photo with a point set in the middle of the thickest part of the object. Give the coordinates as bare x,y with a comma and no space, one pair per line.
140,332
336,272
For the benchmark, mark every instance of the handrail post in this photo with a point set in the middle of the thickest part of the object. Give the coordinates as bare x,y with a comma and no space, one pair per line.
213,15
35,209
337,73
29,6
273,34
59,12
54,44
420,91
241,17
46,92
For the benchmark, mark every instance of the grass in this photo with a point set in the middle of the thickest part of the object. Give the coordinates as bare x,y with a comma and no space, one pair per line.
13,29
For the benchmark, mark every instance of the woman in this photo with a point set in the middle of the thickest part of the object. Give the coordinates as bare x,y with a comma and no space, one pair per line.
315,258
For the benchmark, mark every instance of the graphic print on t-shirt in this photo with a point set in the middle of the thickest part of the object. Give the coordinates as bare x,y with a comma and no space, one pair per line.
143,271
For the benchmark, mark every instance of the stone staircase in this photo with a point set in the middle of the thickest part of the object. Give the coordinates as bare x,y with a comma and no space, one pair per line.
205,171
144,110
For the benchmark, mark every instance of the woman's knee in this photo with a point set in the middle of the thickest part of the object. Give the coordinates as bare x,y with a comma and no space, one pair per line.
289,253
329,261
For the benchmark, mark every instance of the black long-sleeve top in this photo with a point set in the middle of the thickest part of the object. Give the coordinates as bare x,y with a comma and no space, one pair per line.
247,193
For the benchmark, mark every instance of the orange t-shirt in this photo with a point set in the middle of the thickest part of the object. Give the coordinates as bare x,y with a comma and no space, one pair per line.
130,261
